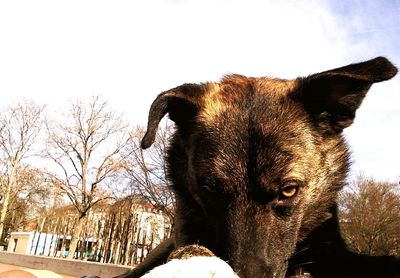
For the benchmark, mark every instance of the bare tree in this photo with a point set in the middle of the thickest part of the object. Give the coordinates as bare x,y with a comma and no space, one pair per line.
33,196
146,170
19,128
370,213
87,148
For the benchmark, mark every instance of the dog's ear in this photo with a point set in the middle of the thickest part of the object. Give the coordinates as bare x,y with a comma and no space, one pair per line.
332,97
181,103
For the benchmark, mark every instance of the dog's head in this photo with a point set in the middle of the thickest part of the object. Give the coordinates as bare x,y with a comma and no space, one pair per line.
262,159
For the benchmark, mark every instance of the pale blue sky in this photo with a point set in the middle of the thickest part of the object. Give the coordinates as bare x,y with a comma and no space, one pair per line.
129,51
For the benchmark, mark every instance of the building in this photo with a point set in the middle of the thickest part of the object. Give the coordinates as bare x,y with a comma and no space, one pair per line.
121,233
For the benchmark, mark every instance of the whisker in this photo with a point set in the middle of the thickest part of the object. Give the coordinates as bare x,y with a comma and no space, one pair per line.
303,264
311,246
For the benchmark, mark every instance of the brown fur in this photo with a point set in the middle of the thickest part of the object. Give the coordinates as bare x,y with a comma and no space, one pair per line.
240,144
188,251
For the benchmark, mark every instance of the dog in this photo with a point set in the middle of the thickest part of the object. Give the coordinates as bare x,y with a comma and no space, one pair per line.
256,165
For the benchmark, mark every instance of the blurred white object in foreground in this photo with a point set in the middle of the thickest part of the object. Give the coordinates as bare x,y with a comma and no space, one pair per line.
203,267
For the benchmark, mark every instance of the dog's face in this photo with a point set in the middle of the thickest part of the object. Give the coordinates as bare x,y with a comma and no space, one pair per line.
259,161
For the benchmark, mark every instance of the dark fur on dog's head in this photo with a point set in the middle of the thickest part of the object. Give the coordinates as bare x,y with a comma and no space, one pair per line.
256,163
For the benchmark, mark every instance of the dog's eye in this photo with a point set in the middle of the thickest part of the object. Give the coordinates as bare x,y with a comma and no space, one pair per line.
289,191
208,183
210,188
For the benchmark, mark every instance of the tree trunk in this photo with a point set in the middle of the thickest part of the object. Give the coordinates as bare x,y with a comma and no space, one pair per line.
4,210
75,237
7,197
